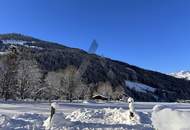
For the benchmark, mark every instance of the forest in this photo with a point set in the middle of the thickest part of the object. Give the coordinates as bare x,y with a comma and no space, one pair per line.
22,77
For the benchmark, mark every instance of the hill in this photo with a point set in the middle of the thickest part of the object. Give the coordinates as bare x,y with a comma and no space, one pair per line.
41,69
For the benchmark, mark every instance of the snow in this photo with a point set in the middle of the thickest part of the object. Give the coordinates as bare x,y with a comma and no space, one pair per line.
54,105
103,116
166,118
89,101
20,42
35,47
4,53
92,116
139,87
88,119
181,74
21,122
58,122
12,41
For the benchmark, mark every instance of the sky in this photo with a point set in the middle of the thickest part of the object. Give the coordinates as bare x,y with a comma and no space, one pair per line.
151,34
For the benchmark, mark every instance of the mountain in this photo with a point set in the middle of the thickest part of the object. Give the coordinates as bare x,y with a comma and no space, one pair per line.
56,67
182,75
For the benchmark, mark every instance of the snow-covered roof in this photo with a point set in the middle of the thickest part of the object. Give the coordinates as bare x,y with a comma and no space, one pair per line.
99,96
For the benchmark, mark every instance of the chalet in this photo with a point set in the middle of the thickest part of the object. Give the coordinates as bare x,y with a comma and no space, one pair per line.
100,97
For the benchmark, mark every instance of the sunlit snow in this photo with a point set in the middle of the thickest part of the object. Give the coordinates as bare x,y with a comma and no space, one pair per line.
139,87
94,116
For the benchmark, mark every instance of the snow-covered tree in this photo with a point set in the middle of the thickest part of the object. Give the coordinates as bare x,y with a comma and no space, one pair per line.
118,93
8,68
54,87
64,84
2,76
105,89
28,79
81,90
70,82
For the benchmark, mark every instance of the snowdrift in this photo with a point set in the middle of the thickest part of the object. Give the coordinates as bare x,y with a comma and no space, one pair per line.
98,119
161,118
165,118
110,119
104,116
27,121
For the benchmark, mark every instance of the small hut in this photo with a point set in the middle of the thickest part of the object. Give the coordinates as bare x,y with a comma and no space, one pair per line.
99,97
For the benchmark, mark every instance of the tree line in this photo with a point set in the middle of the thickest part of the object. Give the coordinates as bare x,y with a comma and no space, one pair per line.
22,78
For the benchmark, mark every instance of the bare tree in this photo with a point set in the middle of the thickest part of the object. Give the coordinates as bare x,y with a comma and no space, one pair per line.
28,79
105,89
54,83
81,90
69,81
118,93
2,76
65,84
8,67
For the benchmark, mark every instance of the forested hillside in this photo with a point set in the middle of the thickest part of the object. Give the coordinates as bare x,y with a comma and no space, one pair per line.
37,69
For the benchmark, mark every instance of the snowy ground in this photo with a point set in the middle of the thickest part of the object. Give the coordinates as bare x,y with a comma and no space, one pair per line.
93,116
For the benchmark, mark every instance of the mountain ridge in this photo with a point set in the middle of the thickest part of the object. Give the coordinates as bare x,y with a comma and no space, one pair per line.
181,74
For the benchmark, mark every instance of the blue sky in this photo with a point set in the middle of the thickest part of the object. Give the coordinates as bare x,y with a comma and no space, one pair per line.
152,34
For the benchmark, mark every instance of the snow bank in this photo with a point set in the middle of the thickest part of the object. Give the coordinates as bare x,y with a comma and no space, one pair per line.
109,119
89,102
58,121
4,121
104,116
83,119
91,119
165,118
25,121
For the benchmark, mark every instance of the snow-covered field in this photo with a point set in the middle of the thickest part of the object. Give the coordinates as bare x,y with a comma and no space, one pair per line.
94,116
